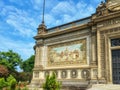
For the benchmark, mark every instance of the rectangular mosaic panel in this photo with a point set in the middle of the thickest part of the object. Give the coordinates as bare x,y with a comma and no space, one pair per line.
69,53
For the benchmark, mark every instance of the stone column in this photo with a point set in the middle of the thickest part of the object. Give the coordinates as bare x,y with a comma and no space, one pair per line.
68,74
98,54
79,74
93,46
59,74
37,56
44,56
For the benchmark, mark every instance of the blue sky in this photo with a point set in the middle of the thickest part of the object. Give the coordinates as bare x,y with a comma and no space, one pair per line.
20,18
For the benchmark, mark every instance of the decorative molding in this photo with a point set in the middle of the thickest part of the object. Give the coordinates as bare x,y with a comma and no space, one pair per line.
101,9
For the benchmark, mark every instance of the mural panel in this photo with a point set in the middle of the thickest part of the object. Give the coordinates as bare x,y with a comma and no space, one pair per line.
68,53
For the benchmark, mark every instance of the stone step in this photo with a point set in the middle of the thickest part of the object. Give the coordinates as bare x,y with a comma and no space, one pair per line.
105,87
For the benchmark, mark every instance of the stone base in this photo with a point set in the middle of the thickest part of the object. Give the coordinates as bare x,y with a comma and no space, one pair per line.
66,85
104,87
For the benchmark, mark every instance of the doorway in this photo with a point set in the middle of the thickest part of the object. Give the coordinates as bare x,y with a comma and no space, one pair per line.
116,66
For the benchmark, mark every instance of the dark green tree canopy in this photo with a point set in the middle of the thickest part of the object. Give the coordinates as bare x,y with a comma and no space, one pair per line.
28,64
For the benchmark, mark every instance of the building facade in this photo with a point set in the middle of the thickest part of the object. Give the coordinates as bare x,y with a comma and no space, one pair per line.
82,52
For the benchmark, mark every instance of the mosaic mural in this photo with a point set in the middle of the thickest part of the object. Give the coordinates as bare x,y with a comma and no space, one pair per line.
68,53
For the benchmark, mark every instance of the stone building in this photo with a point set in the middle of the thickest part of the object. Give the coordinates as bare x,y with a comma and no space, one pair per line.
82,52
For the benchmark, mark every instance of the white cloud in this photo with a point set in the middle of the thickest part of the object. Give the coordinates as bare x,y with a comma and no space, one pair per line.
37,4
20,20
64,7
65,11
67,18
24,49
81,5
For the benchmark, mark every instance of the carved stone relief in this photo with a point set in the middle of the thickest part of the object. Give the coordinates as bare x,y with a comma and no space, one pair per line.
74,73
113,5
102,9
36,74
109,22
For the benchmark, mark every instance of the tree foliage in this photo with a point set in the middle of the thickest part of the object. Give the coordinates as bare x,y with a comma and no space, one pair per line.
51,83
3,71
28,64
10,82
3,83
25,76
10,59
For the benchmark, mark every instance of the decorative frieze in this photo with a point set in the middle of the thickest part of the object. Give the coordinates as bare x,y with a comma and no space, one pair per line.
113,30
67,36
68,73
109,22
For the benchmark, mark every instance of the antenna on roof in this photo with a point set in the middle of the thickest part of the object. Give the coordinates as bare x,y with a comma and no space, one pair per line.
43,11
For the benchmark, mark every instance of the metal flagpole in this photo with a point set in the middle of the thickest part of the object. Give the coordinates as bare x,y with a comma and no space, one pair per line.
43,11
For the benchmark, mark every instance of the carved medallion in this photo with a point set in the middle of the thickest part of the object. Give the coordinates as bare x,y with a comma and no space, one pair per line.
64,74
74,73
85,74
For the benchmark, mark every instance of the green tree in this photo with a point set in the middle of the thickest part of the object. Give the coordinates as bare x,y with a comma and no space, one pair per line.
27,67
11,82
10,59
51,83
28,64
3,83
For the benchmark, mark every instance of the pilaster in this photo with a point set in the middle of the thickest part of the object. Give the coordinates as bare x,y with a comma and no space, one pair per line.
98,55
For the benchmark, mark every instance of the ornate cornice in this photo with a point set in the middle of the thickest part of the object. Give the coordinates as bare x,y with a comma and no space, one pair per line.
105,17
55,33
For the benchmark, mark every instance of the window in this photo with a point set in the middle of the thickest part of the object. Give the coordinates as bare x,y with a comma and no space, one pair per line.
115,42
